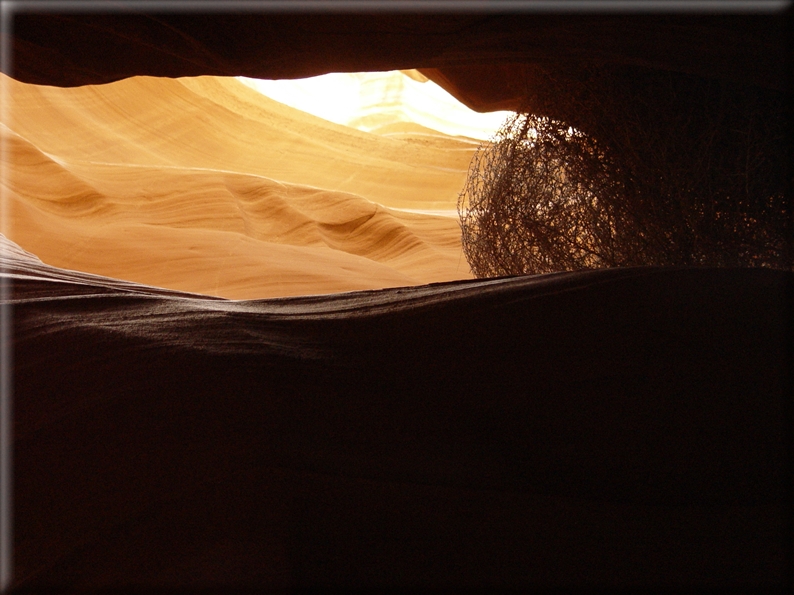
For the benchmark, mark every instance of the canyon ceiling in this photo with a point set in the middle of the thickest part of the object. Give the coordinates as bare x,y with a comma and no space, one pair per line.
486,60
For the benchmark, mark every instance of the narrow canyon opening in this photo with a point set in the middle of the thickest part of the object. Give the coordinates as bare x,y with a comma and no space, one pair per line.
625,427
243,188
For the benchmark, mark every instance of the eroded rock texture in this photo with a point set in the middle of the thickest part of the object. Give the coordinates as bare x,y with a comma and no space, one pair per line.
614,428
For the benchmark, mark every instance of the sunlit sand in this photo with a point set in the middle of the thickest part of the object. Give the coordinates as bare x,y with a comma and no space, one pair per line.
205,185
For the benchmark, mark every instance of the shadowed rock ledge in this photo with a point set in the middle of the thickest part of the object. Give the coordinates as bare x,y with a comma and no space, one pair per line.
619,427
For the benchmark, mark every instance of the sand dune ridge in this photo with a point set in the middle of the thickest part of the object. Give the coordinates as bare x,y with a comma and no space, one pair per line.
203,185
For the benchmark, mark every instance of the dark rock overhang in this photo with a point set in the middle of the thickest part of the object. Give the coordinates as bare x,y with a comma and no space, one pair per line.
487,60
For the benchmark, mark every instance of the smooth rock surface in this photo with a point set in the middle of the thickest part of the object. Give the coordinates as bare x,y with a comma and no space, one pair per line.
606,429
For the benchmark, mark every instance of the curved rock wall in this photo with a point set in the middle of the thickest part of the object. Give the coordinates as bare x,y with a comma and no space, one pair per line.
480,58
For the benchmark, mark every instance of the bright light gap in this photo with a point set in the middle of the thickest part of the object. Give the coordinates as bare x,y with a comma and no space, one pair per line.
379,102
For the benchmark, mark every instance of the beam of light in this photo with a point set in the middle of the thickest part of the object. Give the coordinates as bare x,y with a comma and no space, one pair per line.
377,101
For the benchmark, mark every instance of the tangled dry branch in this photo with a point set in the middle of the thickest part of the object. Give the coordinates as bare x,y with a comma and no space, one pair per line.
658,181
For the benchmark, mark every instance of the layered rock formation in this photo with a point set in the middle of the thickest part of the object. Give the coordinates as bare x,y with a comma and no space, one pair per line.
590,431
202,184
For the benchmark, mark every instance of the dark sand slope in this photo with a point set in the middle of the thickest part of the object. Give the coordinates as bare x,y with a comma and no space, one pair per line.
614,428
